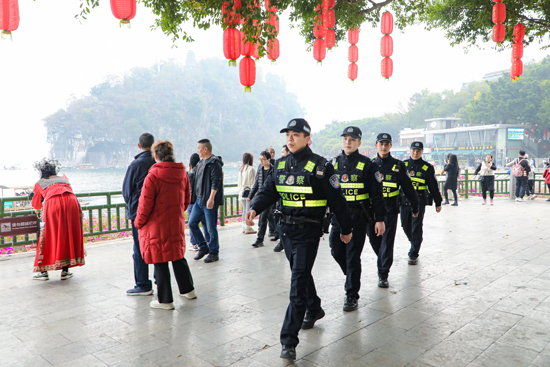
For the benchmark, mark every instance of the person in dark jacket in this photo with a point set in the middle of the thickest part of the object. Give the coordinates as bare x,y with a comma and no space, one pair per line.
131,191
522,181
261,176
193,161
451,183
209,191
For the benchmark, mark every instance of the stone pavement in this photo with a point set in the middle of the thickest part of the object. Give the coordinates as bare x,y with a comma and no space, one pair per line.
478,297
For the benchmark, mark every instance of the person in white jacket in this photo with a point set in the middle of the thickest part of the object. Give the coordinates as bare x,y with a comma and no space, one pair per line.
247,175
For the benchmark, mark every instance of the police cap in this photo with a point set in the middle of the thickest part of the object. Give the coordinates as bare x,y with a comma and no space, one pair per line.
353,131
417,145
383,136
298,125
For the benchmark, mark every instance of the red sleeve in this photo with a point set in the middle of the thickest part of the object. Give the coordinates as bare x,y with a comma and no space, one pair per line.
146,202
545,174
187,188
37,198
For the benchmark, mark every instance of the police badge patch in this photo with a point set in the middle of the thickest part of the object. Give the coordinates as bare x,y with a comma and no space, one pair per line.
345,178
379,176
334,181
290,180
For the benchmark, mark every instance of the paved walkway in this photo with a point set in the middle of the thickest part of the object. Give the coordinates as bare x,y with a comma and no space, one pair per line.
478,297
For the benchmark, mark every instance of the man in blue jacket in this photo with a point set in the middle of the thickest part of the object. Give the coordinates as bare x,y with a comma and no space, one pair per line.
131,190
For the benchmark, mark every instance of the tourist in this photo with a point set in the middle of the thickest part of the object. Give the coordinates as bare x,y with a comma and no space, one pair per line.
161,222
131,190
531,179
285,151
487,171
546,176
61,241
451,183
261,176
247,174
521,181
209,189
270,219
193,161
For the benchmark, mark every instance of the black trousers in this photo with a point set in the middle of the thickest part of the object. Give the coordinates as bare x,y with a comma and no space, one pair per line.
383,245
271,221
348,256
164,283
263,222
303,295
521,186
413,227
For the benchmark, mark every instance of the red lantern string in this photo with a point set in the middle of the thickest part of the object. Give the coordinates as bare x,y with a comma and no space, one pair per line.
353,53
9,17
247,66
386,45
231,36
125,10
247,73
330,21
273,48
499,16
320,31
517,52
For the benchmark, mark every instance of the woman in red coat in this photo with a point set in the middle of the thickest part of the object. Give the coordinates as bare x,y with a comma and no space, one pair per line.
61,242
161,222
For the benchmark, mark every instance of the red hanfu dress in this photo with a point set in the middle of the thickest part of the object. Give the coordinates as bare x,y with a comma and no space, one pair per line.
61,241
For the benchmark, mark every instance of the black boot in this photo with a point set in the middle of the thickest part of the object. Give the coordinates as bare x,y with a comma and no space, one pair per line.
445,202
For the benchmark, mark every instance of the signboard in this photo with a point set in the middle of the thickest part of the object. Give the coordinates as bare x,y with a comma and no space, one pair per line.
515,134
14,226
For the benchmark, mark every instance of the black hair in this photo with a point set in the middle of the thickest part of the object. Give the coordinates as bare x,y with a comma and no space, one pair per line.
194,160
522,152
286,148
146,141
164,151
207,144
47,167
266,154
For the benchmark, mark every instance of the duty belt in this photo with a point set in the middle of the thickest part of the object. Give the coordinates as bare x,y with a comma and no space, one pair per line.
298,221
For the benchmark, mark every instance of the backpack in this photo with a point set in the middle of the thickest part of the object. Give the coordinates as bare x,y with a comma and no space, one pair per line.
517,169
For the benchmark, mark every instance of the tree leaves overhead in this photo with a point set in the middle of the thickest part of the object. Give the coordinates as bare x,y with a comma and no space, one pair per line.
464,21
181,104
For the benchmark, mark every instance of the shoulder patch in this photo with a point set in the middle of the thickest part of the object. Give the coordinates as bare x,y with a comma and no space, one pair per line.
334,181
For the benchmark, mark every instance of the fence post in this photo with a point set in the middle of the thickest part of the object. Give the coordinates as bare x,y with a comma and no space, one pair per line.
466,182
221,213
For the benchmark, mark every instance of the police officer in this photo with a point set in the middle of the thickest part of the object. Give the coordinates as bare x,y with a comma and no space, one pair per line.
364,196
306,184
422,175
392,173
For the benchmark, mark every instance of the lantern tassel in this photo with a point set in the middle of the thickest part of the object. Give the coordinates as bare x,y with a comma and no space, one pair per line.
6,35
248,89
233,63
125,23
273,62
319,63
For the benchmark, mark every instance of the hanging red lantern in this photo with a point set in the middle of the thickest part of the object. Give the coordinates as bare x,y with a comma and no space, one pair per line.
247,73
386,46
232,45
125,10
519,33
319,29
247,47
387,23
387,67
352,71
499,13
256,53
329,18
331,3
9,17
353,36
499,33
330,38
353,53
231,16
270,8
517,67
274,22
517,51
319,50
273,50
513,76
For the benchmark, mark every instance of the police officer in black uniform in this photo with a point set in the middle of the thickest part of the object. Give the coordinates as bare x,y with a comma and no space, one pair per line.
364,196
422,175
392,173
306,183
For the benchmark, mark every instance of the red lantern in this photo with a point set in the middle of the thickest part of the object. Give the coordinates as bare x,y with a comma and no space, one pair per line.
353,53
387,23
320,29
247,73
352,71
270,8
330,38
319,50
499,32
499,13
517,68
232,45
247,48
387,67
9,16
231,17
519,33
353,36
517,51
386,46
331,3
330,20
513,76
274,22
256,53
273,51
125,10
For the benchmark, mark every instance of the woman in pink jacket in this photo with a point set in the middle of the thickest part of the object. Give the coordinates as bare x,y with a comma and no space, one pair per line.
161,222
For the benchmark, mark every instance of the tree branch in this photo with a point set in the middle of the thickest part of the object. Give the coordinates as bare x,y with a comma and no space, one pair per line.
540,22
375,6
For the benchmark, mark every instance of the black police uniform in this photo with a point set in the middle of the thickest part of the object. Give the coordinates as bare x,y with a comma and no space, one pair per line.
392,173
306,184
364,196
422,175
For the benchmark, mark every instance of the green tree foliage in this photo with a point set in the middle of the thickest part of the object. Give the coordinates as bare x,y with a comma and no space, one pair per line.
464,21
181,104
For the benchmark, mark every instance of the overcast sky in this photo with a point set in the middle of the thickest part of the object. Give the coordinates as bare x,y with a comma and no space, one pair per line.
54,57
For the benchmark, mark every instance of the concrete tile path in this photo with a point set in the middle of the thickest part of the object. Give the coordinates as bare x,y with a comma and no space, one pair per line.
479,297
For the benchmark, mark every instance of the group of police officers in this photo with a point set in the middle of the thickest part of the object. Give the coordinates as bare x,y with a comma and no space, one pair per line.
360,197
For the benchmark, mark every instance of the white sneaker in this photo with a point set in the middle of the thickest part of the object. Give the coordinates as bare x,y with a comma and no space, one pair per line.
164,306
190,295
533,197
519,199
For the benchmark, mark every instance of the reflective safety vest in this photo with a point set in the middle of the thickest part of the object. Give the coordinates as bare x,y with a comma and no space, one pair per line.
295,187
390,183
418,178
350,181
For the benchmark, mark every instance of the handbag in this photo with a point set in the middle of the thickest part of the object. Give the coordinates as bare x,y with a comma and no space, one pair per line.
480,178
246,192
